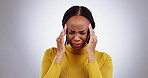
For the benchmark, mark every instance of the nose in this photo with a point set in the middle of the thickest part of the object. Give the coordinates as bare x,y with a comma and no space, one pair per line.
76,38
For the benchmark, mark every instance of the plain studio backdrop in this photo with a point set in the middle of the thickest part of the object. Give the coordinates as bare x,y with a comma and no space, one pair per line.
29,27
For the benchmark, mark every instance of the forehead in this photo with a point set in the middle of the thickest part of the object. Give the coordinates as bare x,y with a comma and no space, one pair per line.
77,22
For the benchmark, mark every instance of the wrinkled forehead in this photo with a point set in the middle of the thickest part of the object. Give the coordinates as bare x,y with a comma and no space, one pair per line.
77,27
77,22
77,30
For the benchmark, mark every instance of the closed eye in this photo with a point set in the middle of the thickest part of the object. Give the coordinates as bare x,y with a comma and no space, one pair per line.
71,32
82,32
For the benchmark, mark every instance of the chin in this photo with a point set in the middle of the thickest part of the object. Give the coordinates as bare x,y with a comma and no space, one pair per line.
76,48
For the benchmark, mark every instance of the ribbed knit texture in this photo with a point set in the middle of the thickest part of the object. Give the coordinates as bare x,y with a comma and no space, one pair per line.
75,64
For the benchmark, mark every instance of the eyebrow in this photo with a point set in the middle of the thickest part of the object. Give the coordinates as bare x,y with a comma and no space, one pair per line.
84,29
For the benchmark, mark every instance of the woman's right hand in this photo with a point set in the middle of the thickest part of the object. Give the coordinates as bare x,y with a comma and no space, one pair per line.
60,42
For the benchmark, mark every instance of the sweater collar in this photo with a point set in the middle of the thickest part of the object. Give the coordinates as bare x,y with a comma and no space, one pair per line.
76,51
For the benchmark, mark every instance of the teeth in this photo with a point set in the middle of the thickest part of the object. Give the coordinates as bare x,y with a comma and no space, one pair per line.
77,45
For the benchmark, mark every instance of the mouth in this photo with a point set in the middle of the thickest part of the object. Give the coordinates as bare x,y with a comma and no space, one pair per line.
77,46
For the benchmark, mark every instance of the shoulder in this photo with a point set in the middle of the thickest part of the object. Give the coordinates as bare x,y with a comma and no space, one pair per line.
102,55
50,52
104,60
49,55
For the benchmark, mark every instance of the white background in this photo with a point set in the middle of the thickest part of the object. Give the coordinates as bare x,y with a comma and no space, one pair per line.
29,27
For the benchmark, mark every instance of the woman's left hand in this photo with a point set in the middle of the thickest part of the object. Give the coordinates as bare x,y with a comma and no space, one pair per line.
92,44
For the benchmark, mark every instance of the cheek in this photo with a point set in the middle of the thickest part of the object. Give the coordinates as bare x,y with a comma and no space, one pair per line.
69,37
84,37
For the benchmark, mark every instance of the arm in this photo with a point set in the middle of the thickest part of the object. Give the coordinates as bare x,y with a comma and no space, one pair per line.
105,71
93,68
50,68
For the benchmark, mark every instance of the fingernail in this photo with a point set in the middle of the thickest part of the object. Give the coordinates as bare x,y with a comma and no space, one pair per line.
65,26
89,25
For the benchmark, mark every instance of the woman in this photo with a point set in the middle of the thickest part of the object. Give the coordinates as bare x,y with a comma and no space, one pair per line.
78,57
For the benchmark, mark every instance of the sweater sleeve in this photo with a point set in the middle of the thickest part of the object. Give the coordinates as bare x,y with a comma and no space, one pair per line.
105,71
49,68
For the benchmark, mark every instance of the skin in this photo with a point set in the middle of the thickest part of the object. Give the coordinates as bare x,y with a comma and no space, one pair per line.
77,33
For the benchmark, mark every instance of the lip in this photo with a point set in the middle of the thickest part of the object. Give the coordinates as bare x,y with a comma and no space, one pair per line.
76,45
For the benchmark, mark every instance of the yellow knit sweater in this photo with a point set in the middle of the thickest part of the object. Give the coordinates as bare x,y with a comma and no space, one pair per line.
75,64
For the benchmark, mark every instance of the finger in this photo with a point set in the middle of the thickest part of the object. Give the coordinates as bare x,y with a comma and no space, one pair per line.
95,38
65,28
92,33
63,32
58,39
90,29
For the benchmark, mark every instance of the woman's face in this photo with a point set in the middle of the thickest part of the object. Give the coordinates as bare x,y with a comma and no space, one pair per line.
77,31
